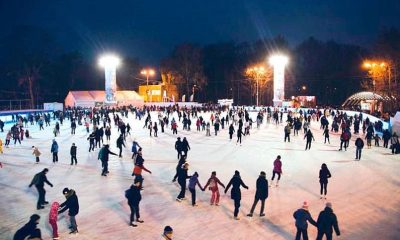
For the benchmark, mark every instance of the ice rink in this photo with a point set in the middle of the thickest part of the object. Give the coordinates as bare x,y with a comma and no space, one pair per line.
365,194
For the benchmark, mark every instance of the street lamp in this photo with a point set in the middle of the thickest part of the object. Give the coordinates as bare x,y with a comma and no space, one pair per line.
110,64
258,71
279,62
147,72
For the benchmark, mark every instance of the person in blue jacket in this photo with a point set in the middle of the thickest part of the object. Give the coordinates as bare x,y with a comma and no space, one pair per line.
302,215
54,151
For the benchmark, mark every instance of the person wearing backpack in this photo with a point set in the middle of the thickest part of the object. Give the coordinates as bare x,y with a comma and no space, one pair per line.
359,146
134,197
38,180
212,185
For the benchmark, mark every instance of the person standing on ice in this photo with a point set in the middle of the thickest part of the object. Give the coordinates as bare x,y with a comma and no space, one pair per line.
208,130
139,165
231,131
38,180
135,147
185,146
212,183
310,137
302,215
261,194
326,134
54,150
324,174
53,216
120,143
287,132
29,230
182,160
72,204
277,170
182,176
326,221
72,151
359,146
104,156
134,197
239,134
236,194
193,181
36,153
178,147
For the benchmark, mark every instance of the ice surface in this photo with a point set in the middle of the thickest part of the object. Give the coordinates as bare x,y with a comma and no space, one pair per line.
365,194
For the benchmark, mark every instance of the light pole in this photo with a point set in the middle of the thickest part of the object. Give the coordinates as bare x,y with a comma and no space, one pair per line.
147,72
110,64
375,70
193,88
279,62
258,71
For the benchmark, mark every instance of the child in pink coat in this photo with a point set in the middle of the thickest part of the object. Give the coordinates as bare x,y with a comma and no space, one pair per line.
53,218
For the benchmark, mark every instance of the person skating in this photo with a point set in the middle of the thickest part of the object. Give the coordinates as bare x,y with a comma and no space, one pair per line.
36,153
178,147
91,138
303,216
386,137
182,176
236,195
377,139
324,174
139,165
326,135
38,180
134,197
53,216
394,141
309,136
135,147
167,234
344,138
54,150
369,137
185,146
261,194
327,221
182,160
277,170
120,143
287,132
29,230
193,181
359,146
73,154
104,156
72,204
212,185
239,134
231,131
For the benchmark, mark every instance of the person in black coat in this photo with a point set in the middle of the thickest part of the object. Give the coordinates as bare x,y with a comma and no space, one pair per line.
120,143
178,147
73,154
359,146
134,197
324,174
104,156
91,139
326,221
38,180
302,215
309,137
179,166
236,195
185,146
29,230
182,176
72,204
231,131
261,194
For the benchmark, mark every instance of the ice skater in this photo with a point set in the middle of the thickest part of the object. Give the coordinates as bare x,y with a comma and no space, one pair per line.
134,197
54,151
72,151
29,230
193,181
303,216
236,195
72,204
38,180
182,176
324,174
327,221
309,136
277,170
53,216
36,153
261,194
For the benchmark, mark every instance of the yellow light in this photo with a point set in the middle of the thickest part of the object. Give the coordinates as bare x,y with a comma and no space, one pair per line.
151,72
383,64
367,65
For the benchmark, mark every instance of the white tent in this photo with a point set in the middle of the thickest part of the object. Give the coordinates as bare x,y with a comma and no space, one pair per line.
96,98
395,123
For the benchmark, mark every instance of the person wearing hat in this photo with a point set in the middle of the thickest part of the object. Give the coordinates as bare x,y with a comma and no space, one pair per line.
236,195
134,197
302,216
29,230
261,194
72,204
326,221
38,180
168,231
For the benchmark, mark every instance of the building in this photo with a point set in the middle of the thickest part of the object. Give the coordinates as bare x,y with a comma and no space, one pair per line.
159,93
366,101
97,98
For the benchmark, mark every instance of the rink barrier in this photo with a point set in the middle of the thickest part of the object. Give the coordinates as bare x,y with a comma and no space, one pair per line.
6,116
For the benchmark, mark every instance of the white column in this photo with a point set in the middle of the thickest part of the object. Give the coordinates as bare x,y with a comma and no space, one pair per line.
110,74
279,63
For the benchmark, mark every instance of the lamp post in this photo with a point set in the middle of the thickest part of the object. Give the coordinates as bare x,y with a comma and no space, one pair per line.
375,68
147,72
279,62
258,71
110,64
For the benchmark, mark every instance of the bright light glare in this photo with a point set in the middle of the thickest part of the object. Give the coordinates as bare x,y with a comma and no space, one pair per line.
149,72
278,60
109,61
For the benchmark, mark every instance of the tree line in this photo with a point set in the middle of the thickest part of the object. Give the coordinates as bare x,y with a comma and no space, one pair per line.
34,66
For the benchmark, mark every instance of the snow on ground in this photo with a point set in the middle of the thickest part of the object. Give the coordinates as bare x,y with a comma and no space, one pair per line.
365,194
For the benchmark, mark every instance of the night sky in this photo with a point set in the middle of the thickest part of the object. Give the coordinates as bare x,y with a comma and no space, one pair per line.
150,29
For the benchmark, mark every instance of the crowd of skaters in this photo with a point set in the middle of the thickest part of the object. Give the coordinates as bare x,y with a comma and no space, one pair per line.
234,118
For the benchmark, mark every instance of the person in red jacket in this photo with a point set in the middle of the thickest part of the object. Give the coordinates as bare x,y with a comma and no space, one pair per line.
277,170
53,216
212,183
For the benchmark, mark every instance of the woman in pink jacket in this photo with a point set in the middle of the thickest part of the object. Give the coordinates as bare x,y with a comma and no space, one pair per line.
277,170
53,218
